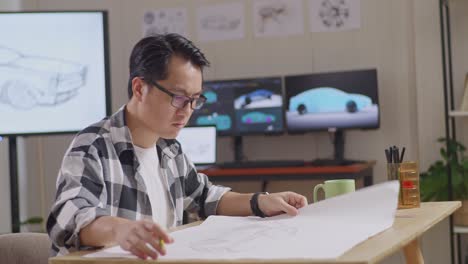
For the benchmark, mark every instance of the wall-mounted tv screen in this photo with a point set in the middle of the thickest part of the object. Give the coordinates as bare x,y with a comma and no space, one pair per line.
333,100
245,106
53,71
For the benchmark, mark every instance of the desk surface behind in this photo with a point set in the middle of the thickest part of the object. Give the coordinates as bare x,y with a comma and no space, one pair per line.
355,168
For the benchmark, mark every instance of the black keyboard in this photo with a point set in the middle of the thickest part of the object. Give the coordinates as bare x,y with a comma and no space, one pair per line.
332,162
261,164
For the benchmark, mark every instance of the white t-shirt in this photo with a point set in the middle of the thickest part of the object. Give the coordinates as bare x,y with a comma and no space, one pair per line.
155,186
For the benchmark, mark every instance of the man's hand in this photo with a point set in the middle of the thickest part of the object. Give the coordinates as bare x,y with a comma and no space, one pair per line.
283,202
139,236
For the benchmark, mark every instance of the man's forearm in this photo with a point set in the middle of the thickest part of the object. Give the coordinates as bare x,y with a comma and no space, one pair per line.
100,232
235,204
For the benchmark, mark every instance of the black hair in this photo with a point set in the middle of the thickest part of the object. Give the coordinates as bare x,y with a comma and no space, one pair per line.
151,55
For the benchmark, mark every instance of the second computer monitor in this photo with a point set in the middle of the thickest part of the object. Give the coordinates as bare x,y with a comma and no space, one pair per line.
199,144
244,106
335,100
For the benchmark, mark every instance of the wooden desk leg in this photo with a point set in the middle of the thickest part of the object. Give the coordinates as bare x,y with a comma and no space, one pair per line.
413,253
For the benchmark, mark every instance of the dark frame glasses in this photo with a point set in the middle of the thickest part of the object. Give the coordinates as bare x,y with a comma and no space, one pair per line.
180,101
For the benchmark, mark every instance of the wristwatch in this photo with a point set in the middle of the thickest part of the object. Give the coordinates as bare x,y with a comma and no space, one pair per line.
254,204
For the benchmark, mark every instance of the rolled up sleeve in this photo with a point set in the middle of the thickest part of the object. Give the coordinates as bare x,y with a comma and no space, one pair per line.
203,196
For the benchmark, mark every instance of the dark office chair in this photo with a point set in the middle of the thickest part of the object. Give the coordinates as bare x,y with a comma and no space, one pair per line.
24,248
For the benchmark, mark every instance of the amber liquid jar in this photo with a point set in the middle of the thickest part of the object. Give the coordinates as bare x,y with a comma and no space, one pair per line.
408,173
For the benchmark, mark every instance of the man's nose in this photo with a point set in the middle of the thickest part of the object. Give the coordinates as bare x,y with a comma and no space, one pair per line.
186,109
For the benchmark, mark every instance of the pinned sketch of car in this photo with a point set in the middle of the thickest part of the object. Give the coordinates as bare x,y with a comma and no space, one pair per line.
328,99
222,122
211,97
220,23
29,81
257,118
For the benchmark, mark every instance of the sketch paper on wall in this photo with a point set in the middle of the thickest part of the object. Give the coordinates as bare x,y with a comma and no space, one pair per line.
220,22
334,15
165,20
278,17
313,234
55,83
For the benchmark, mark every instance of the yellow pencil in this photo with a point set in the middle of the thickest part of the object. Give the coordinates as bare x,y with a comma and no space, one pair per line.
161,243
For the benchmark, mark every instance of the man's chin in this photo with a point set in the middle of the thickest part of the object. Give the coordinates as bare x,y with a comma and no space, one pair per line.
172,134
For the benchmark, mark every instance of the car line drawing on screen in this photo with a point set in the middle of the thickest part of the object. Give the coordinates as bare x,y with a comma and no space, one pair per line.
257,118
328,99
27,81
222,122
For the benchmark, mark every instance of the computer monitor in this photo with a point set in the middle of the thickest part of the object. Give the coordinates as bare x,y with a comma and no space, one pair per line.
53,71
199,144
242,107
333,100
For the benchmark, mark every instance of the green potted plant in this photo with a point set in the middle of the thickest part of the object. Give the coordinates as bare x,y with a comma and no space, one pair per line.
33,224
434,182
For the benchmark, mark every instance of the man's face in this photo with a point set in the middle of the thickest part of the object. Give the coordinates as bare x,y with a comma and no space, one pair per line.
159,115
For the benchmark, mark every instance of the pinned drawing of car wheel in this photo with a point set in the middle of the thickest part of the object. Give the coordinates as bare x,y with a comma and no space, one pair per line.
29,81
328,99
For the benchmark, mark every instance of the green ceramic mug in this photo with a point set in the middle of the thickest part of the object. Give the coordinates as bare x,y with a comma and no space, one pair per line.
335,187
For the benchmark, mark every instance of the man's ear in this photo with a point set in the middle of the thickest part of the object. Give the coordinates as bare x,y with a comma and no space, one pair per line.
138,88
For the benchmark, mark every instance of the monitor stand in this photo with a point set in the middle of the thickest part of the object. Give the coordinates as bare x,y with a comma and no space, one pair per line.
338,145
238,149
14,193
338,152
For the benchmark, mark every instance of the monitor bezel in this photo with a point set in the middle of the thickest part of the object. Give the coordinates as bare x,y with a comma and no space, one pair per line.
107,78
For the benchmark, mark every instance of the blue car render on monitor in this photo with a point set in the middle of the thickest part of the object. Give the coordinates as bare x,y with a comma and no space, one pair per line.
337,100
258,106
218,110
244,106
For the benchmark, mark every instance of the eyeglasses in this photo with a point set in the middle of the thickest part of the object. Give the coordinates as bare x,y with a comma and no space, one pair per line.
180,101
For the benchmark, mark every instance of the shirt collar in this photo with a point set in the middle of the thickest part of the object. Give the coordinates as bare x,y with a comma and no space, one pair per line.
122,138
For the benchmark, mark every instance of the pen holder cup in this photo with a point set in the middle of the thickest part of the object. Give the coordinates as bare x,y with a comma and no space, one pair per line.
392,171
407,173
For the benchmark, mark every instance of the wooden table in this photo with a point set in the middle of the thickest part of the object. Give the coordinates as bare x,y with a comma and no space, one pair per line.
354,171
409,225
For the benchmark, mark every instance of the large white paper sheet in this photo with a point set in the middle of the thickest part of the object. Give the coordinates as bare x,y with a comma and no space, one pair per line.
323,230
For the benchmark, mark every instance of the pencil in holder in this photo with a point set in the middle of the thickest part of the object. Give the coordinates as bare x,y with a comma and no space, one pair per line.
392,171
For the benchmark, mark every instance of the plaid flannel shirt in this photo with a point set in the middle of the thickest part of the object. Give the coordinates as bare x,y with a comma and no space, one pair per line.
100,177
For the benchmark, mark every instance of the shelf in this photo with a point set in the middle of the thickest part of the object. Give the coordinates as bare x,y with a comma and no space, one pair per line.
458,114
460,229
